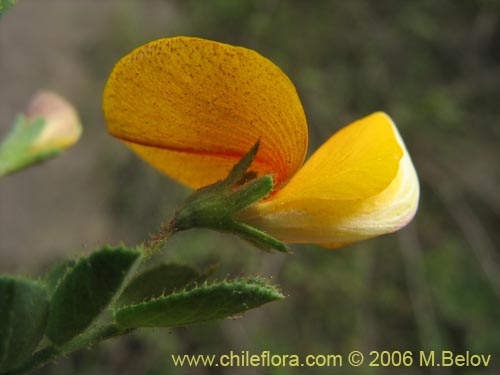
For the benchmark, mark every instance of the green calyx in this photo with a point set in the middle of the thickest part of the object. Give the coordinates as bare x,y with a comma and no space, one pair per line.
216,206
15,150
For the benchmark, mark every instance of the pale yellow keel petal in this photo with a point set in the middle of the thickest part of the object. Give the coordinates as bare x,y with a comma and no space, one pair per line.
361,183
387,212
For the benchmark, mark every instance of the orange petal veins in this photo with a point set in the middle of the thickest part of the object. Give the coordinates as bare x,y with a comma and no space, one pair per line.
192,108
361,183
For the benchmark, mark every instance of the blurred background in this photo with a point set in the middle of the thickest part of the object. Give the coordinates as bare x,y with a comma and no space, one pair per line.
433,66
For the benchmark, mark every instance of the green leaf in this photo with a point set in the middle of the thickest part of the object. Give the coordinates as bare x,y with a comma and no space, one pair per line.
87,289
156,282
207,302
24,308
57,273
5,5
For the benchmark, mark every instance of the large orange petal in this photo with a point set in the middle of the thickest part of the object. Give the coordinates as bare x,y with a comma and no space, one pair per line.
192,108
361,183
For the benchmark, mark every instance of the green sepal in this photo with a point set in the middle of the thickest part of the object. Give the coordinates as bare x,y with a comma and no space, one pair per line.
238,172
217,206
87,289
258,238
158,281
24,308
203,303
15,151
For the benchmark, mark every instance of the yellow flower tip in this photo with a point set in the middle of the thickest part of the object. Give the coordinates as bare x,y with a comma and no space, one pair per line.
360,184
62,126
192,108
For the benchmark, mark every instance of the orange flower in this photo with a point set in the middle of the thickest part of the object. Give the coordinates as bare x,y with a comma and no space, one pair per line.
192,108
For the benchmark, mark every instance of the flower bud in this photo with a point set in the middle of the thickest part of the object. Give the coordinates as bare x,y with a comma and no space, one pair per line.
62,126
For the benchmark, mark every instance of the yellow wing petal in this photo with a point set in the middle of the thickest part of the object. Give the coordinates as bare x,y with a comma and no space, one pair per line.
376,190
357,162
192,107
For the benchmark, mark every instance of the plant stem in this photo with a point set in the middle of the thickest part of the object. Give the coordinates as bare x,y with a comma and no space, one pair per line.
87,340
158,240
93,336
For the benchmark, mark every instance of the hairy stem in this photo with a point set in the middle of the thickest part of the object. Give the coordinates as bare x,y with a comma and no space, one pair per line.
86,340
